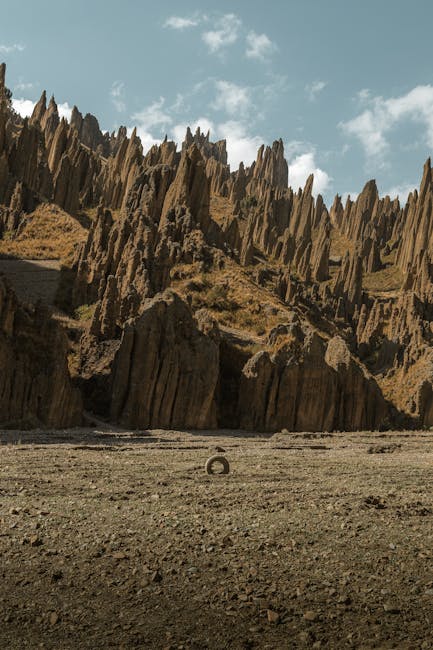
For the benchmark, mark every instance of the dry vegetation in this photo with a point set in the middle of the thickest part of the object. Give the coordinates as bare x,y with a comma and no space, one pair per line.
84,313
384,282
220,208
48,233
231,296
340,244
90,214
399,386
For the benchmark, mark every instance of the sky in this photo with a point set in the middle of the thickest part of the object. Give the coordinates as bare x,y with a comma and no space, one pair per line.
347,86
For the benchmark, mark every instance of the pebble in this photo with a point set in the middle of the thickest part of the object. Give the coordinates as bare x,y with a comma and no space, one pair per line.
156,576
273,617
391,608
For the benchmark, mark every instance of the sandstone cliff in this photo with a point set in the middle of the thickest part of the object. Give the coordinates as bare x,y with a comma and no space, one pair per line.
35,387
165,370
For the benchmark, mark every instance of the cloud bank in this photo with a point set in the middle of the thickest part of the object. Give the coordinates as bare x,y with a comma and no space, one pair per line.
373,125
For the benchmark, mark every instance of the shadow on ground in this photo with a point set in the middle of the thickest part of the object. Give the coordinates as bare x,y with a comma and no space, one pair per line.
32,280
98,437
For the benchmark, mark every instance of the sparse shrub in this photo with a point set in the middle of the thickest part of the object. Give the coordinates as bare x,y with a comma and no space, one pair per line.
84,312
217,298
197,301
248,202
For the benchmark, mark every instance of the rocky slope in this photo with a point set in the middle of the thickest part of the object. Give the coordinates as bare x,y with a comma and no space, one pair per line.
212,297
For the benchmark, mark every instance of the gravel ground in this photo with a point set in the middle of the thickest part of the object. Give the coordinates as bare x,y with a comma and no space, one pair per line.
121,540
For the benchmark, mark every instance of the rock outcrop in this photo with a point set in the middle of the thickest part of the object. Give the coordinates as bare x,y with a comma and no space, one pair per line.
35,387
308,385
165,370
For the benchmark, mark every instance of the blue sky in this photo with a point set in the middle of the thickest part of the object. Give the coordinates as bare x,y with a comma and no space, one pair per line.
348,86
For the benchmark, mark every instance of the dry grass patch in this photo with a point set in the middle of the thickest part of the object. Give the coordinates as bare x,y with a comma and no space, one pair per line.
340,244
85,312
48,233
387,280
231,296
92,213
399,387
220,208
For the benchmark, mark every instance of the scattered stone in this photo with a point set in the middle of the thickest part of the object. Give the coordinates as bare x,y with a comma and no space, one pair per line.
57,575
156,576
375,502
272,616
391,608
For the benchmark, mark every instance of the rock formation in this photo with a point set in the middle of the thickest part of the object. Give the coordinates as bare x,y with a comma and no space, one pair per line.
35,387
213,297
165,370
307,385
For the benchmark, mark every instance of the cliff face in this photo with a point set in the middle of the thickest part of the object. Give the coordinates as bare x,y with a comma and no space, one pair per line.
309,385
165,370
35,387
214,297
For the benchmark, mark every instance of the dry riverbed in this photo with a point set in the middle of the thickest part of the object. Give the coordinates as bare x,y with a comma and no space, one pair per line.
120,540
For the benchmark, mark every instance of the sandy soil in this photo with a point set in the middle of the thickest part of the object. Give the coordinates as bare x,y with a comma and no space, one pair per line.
121,540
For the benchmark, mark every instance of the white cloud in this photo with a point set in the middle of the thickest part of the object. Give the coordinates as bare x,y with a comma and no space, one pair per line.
259,46
368,128
296,147
179,103
147,119
372,125
177,22
179,130
117,92
315,89
64,111
363,95
21,86
241,147
352,195
231,98
301,167
225,34
153,115
400,191
23,106
8,49
147,138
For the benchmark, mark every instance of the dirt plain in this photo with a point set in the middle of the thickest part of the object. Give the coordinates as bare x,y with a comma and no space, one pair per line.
121,540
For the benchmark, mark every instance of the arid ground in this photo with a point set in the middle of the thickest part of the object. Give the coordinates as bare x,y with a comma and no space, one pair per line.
121,540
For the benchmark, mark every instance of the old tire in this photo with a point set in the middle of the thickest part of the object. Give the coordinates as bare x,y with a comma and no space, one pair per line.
215,460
